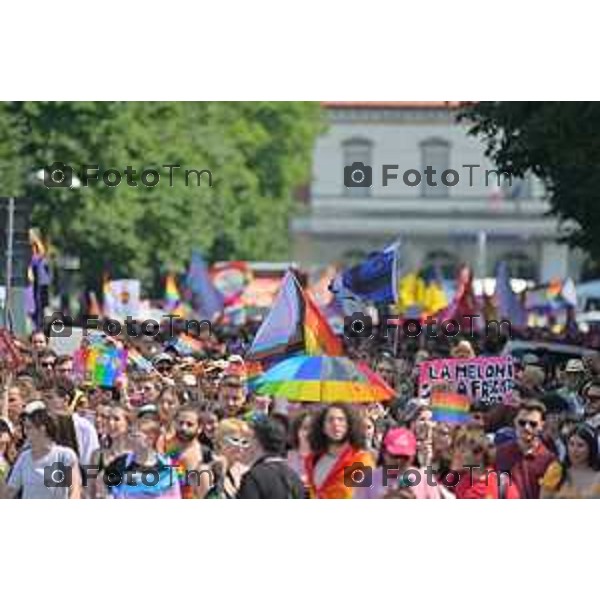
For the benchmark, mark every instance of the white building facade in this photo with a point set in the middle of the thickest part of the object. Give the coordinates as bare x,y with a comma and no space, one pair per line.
474,214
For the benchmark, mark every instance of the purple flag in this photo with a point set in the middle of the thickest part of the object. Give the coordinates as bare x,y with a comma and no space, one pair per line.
509,305
205,297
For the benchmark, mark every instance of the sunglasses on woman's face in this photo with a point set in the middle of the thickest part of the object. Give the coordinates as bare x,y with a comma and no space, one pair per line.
47,365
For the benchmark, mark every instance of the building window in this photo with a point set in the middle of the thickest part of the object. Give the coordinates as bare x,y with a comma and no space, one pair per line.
435,153
442,262
519,265
357,151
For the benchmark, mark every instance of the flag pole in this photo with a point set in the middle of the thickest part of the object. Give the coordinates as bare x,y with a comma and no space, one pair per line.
397,339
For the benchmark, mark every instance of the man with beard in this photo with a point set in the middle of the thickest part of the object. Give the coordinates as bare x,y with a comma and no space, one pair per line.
186,453
526,458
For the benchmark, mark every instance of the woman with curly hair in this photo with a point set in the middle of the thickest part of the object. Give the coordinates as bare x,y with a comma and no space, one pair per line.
578,476
337,443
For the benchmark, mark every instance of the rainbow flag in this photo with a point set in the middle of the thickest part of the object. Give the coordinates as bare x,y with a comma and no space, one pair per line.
100,365
172,296
254,370
186,345
319,338
139,362
450,407
294,325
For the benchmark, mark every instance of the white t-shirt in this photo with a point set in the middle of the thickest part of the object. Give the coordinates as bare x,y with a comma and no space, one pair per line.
87,438
38,478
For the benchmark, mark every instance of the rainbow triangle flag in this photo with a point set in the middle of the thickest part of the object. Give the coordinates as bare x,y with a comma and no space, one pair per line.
450,407
319,338
295,324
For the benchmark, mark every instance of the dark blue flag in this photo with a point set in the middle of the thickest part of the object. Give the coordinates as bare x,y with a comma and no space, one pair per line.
375,279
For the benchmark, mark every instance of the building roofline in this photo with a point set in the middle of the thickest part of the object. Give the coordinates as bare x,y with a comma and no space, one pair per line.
391,104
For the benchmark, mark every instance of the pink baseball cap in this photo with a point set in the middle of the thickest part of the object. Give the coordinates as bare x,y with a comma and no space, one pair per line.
400,441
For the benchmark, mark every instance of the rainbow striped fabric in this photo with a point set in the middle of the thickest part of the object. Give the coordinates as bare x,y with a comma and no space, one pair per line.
172,296
186,345
100,365
323,379
450,407
138,361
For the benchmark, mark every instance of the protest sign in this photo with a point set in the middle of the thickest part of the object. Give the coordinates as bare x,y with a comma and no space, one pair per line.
122,299
100,365
484,379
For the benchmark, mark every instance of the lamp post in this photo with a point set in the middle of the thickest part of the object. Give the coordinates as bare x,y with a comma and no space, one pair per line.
10,232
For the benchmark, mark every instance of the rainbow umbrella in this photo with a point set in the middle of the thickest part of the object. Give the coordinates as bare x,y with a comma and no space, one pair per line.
323,379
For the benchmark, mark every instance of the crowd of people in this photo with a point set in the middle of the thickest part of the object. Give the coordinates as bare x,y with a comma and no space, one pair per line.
191,427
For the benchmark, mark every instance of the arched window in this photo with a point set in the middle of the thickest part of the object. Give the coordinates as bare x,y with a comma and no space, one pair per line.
357,150
519,265
435,153
443,262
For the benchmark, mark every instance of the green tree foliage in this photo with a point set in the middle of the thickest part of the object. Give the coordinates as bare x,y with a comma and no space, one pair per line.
258,154
558,142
